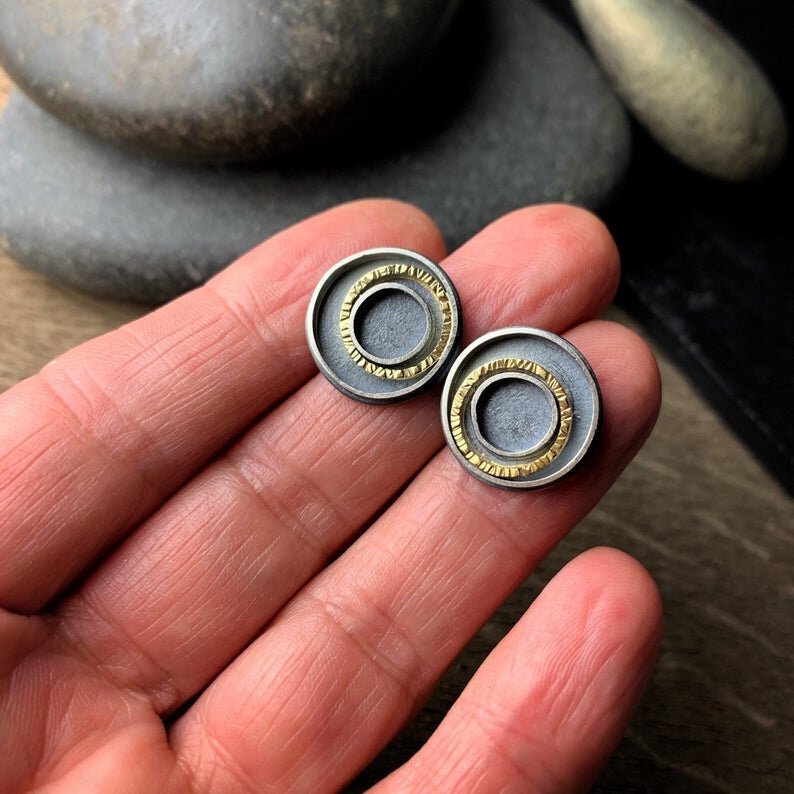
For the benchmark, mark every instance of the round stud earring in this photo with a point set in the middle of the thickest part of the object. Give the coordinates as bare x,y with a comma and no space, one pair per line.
520,408
384,324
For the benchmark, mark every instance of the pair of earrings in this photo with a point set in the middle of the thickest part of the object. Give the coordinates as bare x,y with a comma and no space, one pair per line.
520,406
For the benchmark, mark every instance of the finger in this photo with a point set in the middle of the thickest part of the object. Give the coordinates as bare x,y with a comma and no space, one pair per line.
193,586
98,439
347,662
552,701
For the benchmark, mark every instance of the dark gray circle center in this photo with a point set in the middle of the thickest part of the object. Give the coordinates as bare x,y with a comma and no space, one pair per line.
515,414
390,323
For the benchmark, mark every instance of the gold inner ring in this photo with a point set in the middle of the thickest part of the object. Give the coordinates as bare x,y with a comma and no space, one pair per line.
488,465
409,273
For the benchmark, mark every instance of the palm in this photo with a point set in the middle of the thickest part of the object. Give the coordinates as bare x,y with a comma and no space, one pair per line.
173,493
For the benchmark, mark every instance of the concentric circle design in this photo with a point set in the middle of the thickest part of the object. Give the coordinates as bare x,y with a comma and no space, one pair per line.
391,276
412,339
488,463
548,434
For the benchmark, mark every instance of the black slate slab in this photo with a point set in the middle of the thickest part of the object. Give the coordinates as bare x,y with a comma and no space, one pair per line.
707,266
710,274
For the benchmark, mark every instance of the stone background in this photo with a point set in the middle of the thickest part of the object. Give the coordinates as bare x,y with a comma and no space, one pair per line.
714,529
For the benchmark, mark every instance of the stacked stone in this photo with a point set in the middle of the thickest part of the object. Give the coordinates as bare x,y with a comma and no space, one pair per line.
163,139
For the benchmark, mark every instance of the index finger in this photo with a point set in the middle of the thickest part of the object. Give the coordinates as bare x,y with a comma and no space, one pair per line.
103,435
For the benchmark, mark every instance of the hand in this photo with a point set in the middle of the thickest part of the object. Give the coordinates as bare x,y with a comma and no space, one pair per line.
174,497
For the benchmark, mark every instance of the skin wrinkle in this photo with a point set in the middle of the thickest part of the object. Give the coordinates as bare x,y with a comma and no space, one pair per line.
66,626
325,582
325,552
189,611
75,775
433,562
95,443
494,728
378,424
285,693
392,630
233,768
366,713
369,651
400,693
301,483
451,478
249,569
155,552
286,518
31,751
26,541
286,689
458,760
327,503
611,642
28,461
289,302
642,664
24,544
186,772
127,427
142,355
260,699
643,659
186,609
55,709
452,487
303,766
156,548
257,323
558,501
571,713
161,694
457,569
110,351
552,284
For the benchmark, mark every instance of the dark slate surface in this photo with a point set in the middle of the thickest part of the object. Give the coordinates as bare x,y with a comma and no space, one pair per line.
708,265
513,112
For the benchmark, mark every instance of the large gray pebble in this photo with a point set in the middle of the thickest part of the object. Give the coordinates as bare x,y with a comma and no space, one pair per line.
513,112
216,79
697,92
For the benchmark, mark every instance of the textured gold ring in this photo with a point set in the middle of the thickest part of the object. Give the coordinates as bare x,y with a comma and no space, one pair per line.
397,272
485,463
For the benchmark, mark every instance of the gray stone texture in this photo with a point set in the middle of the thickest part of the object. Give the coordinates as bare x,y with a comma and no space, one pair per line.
212,80
512,111
697,92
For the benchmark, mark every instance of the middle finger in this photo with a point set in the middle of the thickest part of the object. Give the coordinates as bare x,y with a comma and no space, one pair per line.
197,582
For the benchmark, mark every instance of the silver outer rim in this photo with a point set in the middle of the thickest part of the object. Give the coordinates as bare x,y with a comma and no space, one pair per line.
433,375
587,371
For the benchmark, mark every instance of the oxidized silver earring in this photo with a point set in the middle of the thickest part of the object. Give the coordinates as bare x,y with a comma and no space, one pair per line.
520,408
384,324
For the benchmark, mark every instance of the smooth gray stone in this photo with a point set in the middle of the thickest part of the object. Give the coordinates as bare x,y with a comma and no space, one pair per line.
513,112
213,80
697,92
